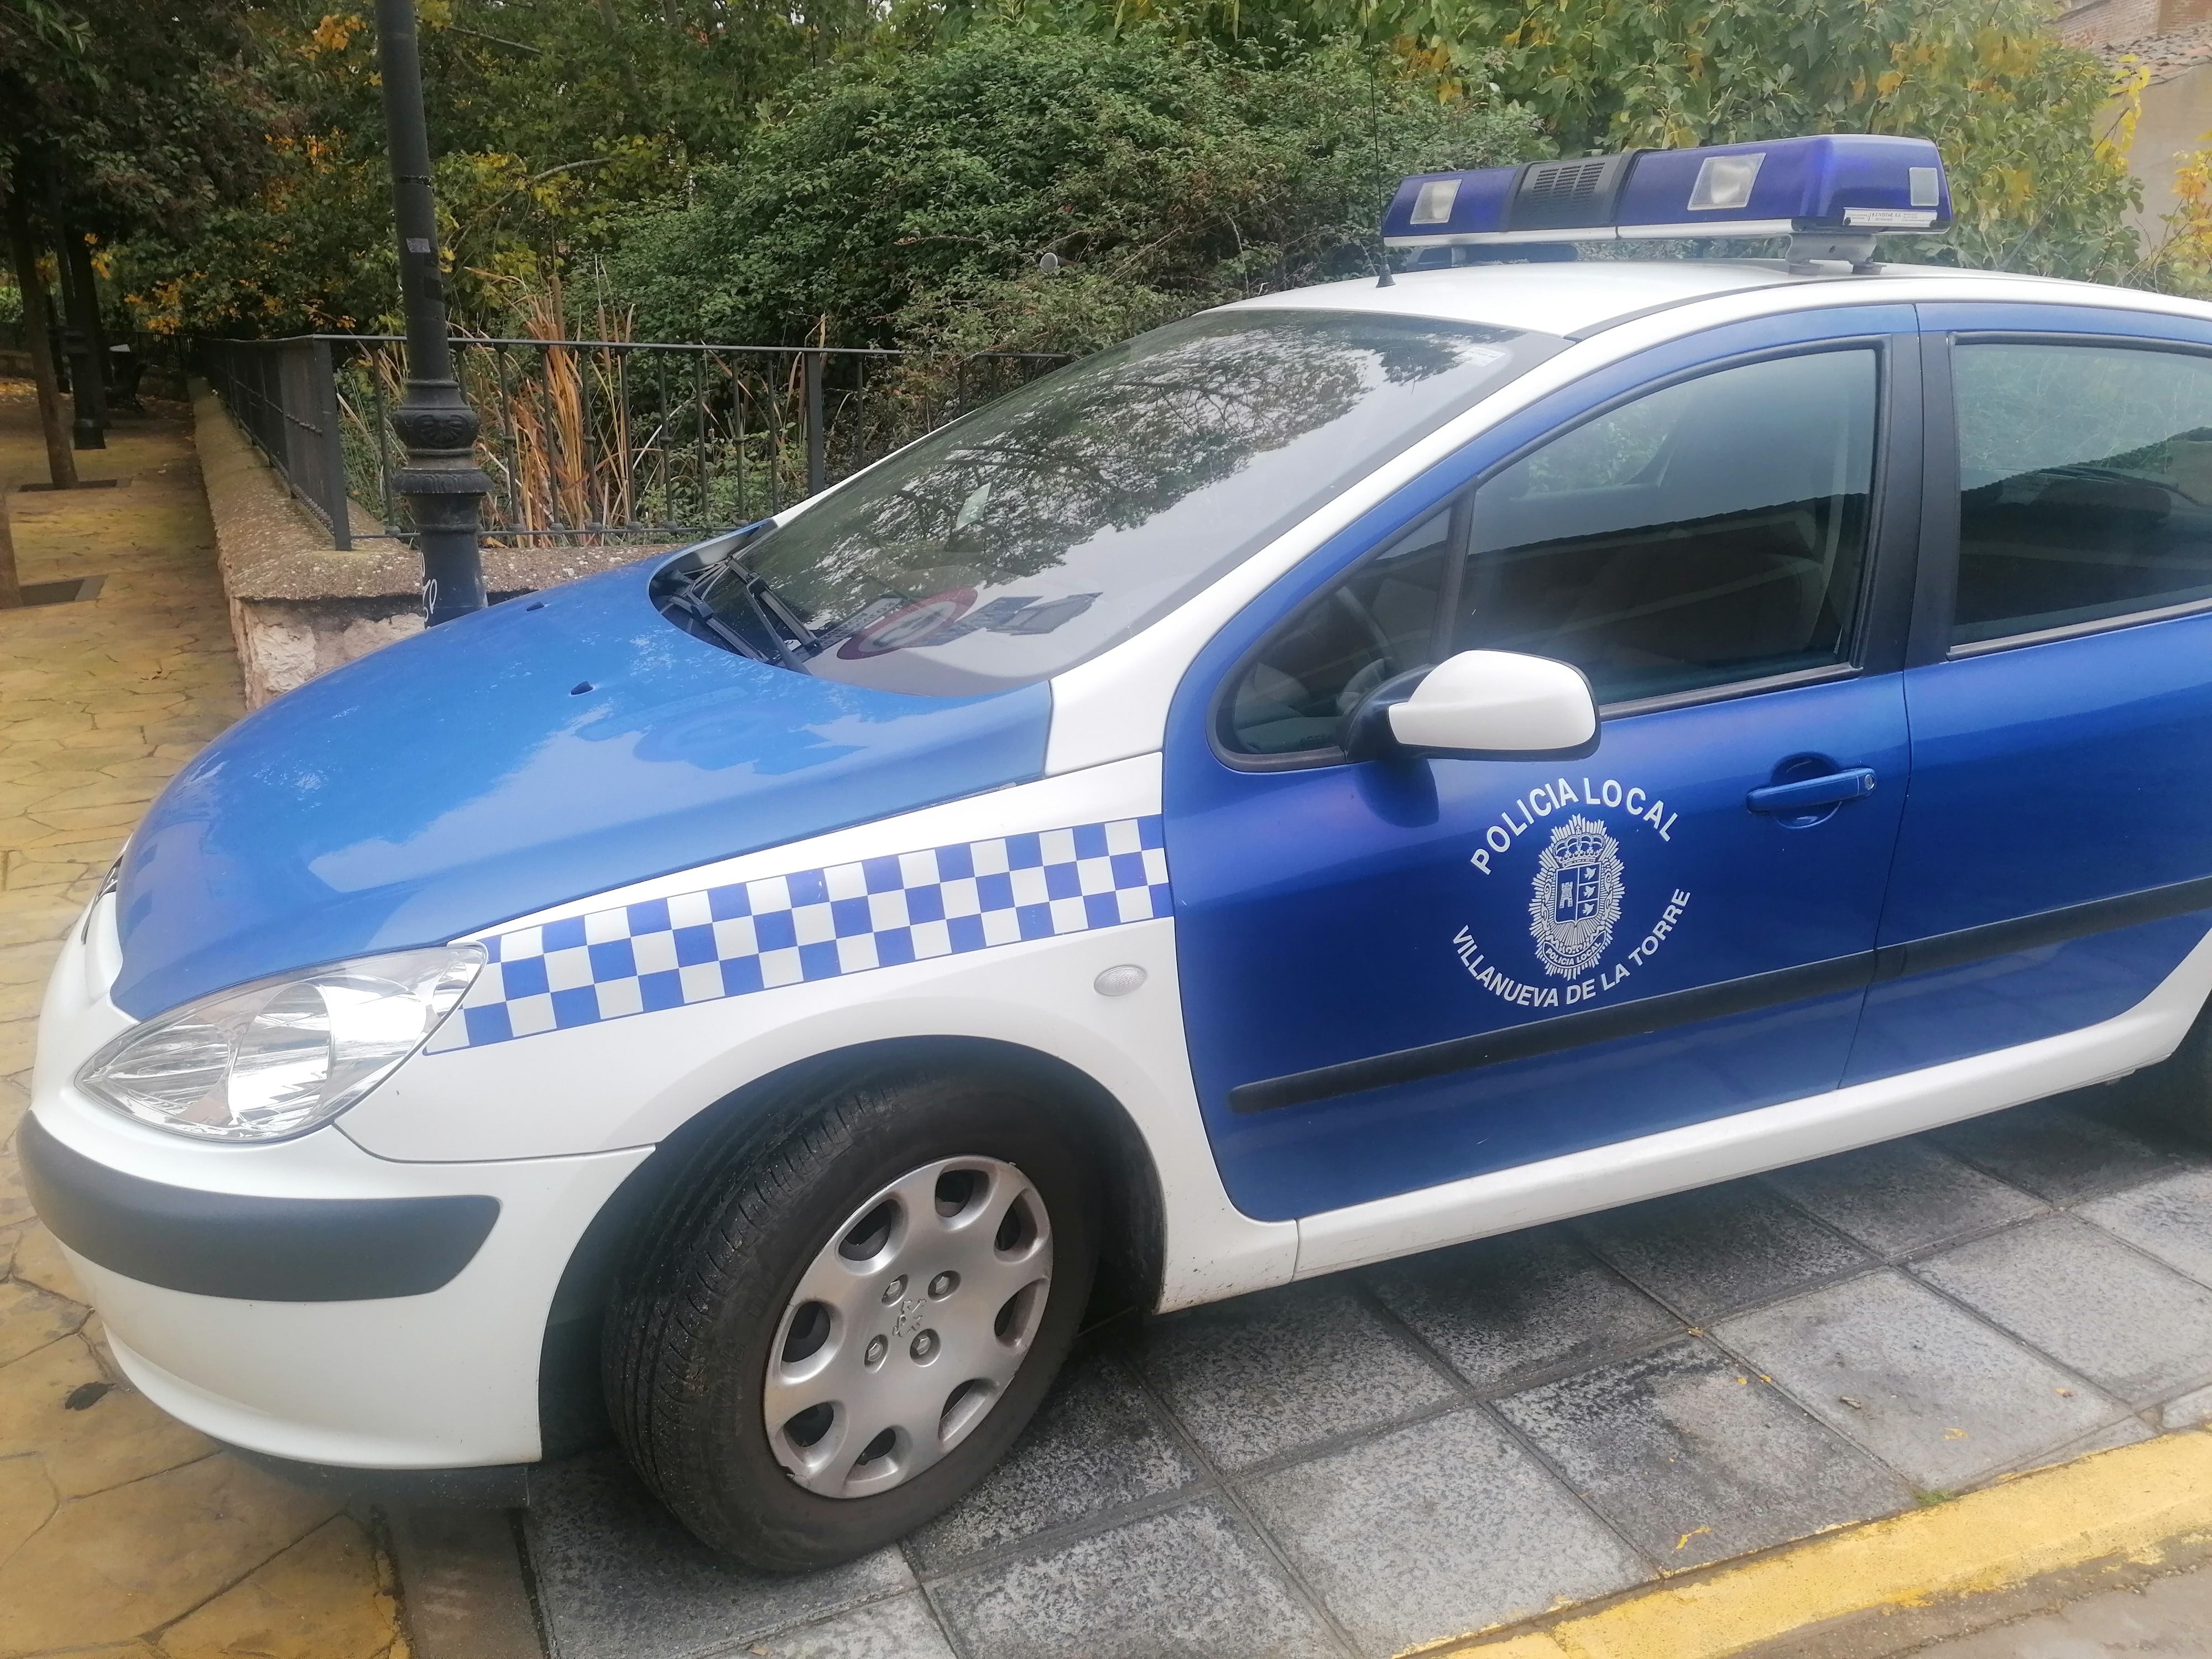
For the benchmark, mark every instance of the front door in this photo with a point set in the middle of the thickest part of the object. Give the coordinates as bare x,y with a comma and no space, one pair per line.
1399,973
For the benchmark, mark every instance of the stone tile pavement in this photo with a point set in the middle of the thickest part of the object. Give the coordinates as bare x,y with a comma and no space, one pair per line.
1366,1463
1349,1466
122,1532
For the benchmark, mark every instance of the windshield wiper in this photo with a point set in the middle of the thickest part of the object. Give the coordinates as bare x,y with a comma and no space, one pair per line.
685,598
793,641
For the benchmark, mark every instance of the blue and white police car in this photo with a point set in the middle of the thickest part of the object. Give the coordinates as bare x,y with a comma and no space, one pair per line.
1361,769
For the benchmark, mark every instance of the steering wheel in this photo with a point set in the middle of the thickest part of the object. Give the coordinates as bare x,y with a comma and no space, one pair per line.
1361,615
1372,674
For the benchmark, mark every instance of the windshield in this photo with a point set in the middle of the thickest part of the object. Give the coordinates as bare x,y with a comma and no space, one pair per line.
1071,513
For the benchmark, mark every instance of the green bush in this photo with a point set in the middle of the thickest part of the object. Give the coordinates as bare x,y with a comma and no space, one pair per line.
908,198
889,171
2019,116
2022,120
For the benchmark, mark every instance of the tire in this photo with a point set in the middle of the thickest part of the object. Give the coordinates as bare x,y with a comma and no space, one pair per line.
711,1296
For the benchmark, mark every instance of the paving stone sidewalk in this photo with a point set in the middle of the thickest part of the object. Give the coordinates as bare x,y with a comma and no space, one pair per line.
122,1532
1345,1468
1394,1457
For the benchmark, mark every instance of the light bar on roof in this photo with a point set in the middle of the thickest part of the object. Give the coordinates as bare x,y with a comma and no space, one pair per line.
1842,182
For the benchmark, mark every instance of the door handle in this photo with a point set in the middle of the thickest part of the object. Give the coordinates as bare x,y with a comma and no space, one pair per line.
1808,793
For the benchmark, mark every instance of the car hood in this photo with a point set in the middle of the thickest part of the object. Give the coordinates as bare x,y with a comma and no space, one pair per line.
539,751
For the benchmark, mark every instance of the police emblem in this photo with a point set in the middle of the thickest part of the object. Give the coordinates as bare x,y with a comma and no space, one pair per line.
1577,897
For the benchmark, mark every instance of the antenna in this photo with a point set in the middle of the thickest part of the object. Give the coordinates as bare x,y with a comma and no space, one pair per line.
1375,156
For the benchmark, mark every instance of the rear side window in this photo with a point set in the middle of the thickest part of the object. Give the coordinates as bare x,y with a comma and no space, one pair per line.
1710,532
2086,485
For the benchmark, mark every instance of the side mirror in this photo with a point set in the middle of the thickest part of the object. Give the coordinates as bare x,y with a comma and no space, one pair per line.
1494,705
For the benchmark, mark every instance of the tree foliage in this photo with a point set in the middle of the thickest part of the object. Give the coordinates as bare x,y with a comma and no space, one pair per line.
121,126
875,170
2019,117
913,195
2016,112
548,118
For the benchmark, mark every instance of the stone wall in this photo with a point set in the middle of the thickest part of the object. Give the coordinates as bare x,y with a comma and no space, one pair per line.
2115,22
300,607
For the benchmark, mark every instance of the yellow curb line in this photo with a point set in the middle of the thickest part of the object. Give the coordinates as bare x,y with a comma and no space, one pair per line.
2129,1504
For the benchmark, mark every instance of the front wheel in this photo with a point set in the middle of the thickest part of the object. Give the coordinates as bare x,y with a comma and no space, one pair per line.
830,1340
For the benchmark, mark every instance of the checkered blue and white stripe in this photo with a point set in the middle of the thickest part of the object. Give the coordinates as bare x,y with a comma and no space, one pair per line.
732,940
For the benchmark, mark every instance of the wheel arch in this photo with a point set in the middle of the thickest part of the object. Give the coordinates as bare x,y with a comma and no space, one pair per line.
571,1410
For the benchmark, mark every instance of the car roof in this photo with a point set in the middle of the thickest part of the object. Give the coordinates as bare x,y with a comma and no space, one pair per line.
1579,297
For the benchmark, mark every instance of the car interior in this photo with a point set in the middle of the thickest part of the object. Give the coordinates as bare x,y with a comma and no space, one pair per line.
2068,544
1698,538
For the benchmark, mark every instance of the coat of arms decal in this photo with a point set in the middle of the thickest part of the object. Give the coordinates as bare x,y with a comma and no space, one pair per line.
1577,897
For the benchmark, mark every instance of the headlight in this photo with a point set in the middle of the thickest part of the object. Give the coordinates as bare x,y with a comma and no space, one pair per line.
276,1059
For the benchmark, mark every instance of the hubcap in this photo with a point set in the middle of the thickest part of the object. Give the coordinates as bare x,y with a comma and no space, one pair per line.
907,1326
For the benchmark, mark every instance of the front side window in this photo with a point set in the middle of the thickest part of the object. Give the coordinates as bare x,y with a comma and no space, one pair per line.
1710,532
2085,485
1071,513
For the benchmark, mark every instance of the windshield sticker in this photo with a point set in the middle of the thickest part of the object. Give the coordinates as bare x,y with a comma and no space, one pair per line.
1016,615
875,611
1579,887
914,624
885,625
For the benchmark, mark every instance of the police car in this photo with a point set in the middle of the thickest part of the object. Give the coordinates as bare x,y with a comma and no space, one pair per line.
1359,769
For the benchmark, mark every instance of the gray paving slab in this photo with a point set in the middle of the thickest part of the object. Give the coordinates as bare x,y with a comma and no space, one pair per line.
1506,1311
1903,1197
618,1579
2171,1218
1924,1386
462,1584
2057,1152
1094,1445
1265,1374
1437,1529
899,1627
2187,1412
2128,1432
1368,1494
1696,1457
1190,1582
2136,1327
1709,1252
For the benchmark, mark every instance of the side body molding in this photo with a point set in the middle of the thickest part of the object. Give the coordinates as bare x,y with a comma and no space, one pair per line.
246,1246
1723,1149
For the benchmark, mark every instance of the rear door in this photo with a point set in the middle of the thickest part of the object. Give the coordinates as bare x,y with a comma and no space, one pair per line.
1399,973
2056,859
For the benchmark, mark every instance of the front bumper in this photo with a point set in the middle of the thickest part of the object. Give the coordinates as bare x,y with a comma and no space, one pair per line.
247,1246
305,1300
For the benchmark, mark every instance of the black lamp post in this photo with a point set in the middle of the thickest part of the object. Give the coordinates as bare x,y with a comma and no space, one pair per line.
442,483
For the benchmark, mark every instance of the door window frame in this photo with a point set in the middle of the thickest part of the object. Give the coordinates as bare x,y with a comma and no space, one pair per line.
1936,590
1886,609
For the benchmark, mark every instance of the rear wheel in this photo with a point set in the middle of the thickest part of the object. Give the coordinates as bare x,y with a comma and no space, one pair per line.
833,1337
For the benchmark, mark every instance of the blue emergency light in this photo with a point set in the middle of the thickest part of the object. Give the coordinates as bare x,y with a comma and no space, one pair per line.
1844,185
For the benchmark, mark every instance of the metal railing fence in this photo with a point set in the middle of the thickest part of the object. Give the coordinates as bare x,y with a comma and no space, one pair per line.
588,438
282,392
